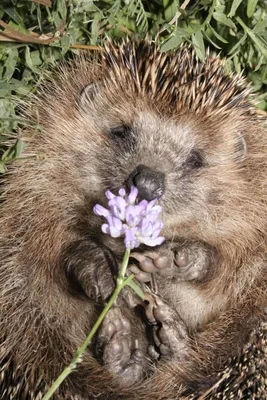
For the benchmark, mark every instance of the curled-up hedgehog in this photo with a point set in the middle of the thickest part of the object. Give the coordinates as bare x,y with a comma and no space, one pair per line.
184,133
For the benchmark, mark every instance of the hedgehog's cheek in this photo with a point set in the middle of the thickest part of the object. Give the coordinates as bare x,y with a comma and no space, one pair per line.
150,183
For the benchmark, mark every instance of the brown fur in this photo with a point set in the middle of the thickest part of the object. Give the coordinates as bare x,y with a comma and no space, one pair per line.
175,104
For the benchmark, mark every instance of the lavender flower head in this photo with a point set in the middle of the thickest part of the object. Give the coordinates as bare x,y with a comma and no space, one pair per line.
137,222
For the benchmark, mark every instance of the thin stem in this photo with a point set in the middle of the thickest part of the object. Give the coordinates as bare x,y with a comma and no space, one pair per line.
124,263
121,282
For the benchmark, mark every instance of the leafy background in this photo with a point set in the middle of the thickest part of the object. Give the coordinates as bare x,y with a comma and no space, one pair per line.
35,34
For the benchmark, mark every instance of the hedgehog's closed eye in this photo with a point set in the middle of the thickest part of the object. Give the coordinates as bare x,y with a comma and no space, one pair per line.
123,137
120,132
195,160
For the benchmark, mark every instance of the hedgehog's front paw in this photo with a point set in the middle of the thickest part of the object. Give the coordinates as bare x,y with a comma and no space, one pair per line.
169,331
185,262
119,349
91,268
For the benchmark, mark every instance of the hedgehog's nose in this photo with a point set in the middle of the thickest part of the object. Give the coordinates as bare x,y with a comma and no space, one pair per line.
150,184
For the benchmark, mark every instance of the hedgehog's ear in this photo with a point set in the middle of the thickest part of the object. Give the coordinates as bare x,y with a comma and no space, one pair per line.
241,147
89,92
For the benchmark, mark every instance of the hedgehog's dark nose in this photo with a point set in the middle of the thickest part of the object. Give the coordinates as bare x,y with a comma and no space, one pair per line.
150,184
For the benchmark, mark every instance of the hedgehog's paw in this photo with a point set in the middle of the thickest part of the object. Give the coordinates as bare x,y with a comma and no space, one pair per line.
159,262
192,262
120,352
169,331
185,262
90,267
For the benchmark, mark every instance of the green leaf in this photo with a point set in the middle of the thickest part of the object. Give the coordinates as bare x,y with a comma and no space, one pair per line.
251,7
13,13
250,55
29,60
211,10
2,168
260,26
237,64
172,43
234,7
137,10
39,17
198,42
62,9
238,45
36,58
65,43
9,154
216,34
254,37
170,9
10,63
211,41
221,17
259,63
19,147
136,288
14,151
18,27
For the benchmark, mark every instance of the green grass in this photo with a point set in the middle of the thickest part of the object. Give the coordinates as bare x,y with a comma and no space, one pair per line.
35,36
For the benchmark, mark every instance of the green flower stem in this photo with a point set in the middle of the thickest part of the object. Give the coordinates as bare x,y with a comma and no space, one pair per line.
121,282
124,263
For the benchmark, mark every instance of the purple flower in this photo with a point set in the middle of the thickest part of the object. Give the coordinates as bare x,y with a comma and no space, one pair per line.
138,223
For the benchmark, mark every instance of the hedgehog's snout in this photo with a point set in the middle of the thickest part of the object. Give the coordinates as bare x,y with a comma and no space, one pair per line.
150,184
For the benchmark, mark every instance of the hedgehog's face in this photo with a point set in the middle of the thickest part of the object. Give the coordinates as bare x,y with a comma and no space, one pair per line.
195,169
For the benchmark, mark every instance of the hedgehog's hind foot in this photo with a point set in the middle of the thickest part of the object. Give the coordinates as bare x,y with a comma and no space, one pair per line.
120,352
169,331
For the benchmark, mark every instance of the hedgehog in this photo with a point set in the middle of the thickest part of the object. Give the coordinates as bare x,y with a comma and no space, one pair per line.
187,134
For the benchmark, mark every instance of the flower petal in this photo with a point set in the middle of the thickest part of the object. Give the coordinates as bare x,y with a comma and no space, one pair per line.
132,215
130,240
132,195
109,195
115,226
157,227
151,204
146,228
117,206
105,229
101,211
116,222
143,206
154,242
122,192
152,215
